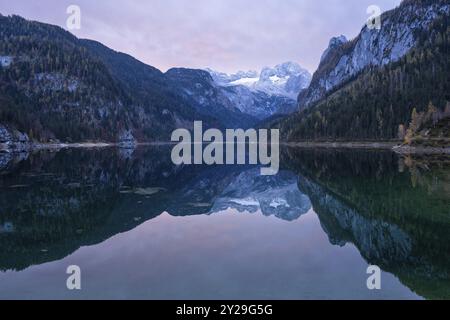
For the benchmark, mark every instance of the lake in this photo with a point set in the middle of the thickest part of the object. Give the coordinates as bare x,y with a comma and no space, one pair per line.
140,227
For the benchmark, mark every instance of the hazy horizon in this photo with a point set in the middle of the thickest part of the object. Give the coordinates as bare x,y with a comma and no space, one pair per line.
225,35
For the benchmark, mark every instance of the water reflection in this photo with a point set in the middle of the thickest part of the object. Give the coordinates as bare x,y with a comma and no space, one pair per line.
394,209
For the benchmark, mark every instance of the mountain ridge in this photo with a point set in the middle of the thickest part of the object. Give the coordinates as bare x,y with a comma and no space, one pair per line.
372,47
56,87
285,79
376,103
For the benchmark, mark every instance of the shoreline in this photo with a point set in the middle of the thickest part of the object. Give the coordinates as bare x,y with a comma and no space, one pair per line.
44,146
382,145
78,145
405,150
344,145
51,146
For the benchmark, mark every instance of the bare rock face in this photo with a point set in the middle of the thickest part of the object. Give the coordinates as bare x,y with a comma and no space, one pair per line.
335,44
344,59
13,140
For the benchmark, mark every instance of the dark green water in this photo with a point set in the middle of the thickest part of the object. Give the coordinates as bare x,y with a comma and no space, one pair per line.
142,228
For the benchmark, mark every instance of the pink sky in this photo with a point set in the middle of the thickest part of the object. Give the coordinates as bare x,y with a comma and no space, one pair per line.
226,35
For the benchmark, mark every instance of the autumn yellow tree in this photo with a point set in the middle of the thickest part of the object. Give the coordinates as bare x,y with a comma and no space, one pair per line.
414,126
432,114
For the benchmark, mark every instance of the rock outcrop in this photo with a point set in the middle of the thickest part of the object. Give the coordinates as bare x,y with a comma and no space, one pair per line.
344,59
13,140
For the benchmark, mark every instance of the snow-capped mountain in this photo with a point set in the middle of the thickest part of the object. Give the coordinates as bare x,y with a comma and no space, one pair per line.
273,91
234,106
286,79
199,88
344,59
259,104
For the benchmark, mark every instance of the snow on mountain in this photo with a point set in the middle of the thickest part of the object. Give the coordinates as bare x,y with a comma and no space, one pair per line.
248,82
257,103
273,91
286,79
225,79
209,99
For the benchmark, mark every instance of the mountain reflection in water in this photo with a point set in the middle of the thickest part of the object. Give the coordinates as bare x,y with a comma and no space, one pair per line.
321,206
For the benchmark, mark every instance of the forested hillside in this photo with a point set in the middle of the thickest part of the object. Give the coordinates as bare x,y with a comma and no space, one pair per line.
378,103
54,86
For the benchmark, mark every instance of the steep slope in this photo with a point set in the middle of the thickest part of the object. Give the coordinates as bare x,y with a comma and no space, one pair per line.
259,104
263,95
53,88
56,87
146,85
400,32
377,101
286,79
208,99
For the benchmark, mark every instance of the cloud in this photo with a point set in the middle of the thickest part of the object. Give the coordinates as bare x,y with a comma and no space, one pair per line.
226,35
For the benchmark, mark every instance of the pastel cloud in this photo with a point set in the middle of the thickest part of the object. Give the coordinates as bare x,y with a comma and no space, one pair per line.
226,35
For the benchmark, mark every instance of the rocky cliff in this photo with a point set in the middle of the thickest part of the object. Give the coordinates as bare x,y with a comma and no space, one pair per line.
344,59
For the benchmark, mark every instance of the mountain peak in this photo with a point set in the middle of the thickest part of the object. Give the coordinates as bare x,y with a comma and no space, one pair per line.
223,78
286,79
338,40
334,43
285,69
372,48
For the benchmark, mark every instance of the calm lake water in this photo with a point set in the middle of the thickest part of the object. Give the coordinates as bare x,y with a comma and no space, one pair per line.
142,228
